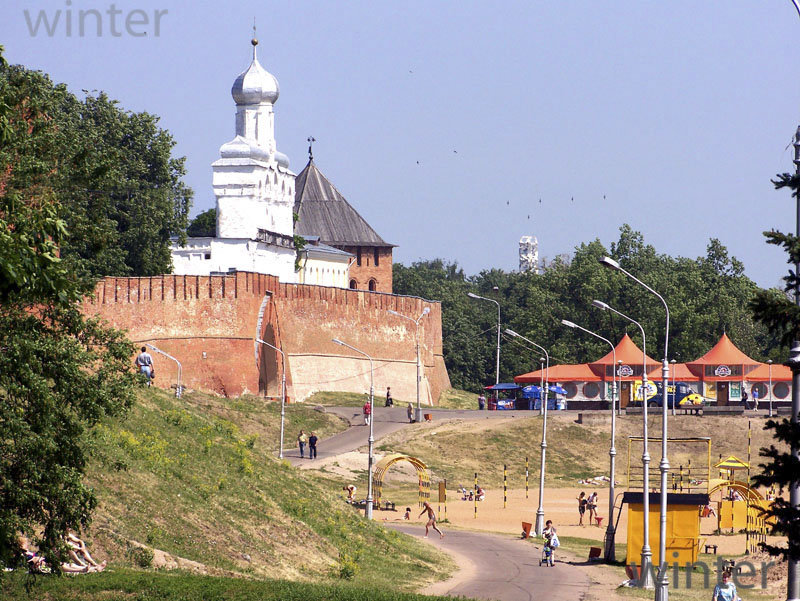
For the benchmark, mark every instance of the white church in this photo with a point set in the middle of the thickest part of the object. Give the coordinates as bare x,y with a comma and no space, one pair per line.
255,197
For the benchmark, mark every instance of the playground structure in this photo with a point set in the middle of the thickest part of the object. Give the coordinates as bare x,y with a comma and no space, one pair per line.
388,461
739,508
690,494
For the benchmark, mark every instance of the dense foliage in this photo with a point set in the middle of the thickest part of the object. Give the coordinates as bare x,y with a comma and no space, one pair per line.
120,192
59,372
706,296
777,311
205,224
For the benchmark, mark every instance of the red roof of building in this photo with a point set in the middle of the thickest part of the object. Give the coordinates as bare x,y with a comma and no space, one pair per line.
780,373
724,353
627,352
679,372
561,373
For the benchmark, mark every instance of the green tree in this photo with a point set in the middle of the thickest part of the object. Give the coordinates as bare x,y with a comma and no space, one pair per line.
205,224
120,190
59,372
776,310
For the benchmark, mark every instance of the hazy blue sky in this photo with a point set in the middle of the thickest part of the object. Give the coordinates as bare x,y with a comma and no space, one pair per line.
677,112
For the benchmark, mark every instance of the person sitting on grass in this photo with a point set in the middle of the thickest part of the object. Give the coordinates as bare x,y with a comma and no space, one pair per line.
481,494
79,554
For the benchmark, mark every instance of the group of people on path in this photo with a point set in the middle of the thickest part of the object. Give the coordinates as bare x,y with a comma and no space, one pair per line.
311,441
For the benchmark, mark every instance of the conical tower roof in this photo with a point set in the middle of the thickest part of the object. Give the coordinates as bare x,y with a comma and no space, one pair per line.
323,211
724,353
628,353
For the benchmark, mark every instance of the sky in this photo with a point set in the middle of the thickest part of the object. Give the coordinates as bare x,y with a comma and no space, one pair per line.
455,127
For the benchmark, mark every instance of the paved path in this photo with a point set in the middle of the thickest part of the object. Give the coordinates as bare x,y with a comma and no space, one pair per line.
502,568
387,420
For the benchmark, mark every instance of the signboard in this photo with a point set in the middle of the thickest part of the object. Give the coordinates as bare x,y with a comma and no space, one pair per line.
637,390
625,371
722,371
735,390
442,491
710,390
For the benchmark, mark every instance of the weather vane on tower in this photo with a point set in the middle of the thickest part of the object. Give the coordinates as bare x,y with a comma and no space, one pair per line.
311,140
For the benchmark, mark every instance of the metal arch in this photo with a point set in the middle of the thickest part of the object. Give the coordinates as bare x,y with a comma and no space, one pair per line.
388,461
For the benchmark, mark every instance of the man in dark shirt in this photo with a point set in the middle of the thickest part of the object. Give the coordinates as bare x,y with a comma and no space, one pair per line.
312,446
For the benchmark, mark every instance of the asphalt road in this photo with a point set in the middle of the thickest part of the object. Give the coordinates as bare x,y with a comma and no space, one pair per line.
504,568
387,420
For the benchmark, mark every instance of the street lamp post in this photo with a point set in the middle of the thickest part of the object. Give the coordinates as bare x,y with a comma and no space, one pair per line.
619,378
540,512
416,321
646,579
674,390
178,385
497,370
371,439
609,551
662,581
769,362
283,389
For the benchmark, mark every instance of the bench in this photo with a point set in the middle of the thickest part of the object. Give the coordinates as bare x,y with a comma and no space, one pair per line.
714,547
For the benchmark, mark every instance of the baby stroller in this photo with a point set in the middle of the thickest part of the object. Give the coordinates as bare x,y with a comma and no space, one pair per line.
548,557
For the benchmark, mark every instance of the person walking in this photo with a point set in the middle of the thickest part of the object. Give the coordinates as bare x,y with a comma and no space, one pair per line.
144,361
410,413
312,446
726,590
582,503
744,398
367,410
389,401
302,439
431,523
481,402
755,398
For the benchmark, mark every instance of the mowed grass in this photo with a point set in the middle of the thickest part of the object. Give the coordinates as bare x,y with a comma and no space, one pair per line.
198,479
126,585
458,399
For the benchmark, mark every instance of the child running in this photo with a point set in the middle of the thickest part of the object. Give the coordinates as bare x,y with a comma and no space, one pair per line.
426,507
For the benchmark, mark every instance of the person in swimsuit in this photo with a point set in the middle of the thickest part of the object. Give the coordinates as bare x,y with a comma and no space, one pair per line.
431,523
582,503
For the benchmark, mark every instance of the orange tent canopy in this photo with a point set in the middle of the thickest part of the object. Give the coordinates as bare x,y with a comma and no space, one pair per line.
561,373
724,353
679,372
627,352
780,373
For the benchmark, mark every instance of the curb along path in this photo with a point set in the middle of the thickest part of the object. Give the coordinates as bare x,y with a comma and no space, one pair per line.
502,568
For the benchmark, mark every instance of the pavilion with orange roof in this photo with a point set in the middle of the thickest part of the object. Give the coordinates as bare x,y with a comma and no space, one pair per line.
720,376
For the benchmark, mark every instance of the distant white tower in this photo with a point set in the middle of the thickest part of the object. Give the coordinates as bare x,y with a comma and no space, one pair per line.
528,254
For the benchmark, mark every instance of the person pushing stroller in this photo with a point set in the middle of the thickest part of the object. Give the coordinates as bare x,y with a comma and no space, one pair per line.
551,543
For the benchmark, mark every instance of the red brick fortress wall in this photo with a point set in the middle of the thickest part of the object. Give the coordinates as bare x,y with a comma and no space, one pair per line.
209,325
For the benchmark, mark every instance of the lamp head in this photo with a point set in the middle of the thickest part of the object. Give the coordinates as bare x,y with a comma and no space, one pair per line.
512,333
339,342
392,312
495,288
600,305
769,361
260,341
569,324
610,263
472,295
541,359
426,310
673,361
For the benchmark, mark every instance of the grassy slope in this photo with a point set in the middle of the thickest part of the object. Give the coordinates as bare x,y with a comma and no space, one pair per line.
126,585
456,449
197,478
450,399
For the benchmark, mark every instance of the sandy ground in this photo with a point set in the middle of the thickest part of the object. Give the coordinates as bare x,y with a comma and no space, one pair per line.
560,505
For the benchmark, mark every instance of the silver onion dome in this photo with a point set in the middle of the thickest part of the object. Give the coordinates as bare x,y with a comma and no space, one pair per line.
255,85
